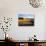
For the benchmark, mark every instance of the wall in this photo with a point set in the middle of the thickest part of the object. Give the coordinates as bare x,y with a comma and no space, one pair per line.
10,8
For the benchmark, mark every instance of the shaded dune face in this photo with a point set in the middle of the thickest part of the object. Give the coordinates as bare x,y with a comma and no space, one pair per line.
35,3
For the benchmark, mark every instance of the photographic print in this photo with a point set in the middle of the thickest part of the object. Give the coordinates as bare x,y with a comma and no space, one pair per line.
25,20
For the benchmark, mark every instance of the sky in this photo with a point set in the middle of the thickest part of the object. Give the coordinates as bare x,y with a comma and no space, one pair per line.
26,15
